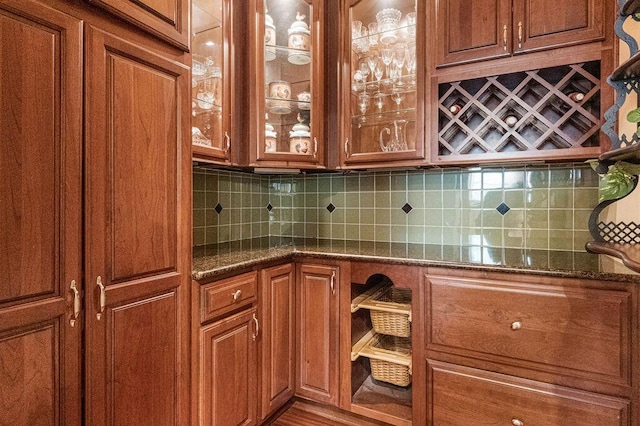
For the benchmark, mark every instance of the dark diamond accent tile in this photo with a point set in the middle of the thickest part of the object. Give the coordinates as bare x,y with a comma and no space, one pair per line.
269,207
503,209
331,207
407,208
218,208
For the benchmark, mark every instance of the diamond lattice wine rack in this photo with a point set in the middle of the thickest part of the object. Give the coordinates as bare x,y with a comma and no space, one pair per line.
546,113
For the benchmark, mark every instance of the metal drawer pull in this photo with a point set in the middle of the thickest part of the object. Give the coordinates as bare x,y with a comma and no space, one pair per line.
516,325
76,303
255,320
517,422
333,283
504,38
520,35
236,295
103,297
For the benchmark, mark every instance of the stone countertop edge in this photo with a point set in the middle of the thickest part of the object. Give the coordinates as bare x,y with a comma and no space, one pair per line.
205,268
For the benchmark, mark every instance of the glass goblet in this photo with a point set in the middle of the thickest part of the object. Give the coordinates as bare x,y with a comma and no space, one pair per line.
364,70
397,95
364,100
387,57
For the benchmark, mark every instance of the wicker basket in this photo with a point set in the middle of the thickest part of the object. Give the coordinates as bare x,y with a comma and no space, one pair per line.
392,323
387,371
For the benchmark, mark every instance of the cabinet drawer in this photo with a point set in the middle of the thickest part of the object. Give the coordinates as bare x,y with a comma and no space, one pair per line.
227,295
460,395
585,330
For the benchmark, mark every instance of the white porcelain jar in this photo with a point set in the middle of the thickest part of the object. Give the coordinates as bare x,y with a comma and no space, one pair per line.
299,41
270,138
300,139
269,37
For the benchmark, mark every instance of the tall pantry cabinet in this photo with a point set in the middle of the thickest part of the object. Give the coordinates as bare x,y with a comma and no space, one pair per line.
94,246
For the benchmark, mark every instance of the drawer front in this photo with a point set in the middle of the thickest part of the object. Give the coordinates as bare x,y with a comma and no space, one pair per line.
585,330
460,395
227,295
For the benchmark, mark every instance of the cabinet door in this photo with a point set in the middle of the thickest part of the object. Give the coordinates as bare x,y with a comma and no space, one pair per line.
277,342
138,166
40,214
383,91
540,24
318,334
167,19
228,359
472,30
287,84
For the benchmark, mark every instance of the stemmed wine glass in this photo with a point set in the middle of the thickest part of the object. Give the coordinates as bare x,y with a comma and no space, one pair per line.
372,61
397,94
364,100
378,73
365,71
378,101
387,57
410,57
399,59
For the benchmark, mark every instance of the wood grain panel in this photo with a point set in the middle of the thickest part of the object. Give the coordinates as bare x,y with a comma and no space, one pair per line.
228,359
167,19
318,334
143,109
584,330
277,314
468,31
549,23
30,131
40,214
460,395
30,389
143,375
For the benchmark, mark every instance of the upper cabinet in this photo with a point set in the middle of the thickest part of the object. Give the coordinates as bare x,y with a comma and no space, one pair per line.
287,84
487,29
166,19
382,95
210,91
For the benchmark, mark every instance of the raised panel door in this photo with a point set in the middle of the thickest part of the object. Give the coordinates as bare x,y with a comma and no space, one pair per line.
542,24
318,333
472,30
40,215
277,313
137,220
228,379
166,19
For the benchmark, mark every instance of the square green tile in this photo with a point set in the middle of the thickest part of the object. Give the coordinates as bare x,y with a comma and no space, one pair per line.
471,180
561,240
467,199
382,182
352,232
561,177
433,199
416,217
492,179
433,217
537,219
514,237
382,216
561,198
415,234
536,198
367,182
352,184
398,234
537,178
491,218
433,181
337,184
415,181
433,235
561,219
514,218
367,233
513,179
514,198
398,181
585,198
382,233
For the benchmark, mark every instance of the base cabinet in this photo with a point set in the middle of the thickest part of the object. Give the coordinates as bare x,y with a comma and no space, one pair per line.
229,365
460,395
318,334
277,342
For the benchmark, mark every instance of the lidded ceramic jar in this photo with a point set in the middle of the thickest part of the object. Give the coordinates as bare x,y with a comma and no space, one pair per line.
300,40
300,138
280,94
269,37
270,137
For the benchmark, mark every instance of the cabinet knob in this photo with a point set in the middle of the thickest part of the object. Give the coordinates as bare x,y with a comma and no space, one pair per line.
517,422
516,325
237,295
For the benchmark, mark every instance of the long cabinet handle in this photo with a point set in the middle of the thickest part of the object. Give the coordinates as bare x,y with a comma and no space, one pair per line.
227,139
504,37
76,303
315,147
257,331
333,283
346,148
520,35
103,297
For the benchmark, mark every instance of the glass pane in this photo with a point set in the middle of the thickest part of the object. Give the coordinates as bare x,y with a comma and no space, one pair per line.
207,73
383,76
288,59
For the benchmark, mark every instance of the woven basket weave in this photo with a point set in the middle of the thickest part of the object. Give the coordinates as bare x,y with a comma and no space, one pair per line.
394,324
390,372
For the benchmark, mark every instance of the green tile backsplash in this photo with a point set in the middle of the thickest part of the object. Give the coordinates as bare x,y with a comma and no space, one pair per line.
537,207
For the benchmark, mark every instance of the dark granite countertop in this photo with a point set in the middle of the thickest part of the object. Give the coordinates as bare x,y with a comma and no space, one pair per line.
212,261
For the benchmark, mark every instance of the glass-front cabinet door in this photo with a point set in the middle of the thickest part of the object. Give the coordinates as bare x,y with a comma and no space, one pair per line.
210,119
383,85
287,82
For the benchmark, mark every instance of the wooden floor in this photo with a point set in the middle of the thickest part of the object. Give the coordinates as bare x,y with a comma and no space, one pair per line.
302,413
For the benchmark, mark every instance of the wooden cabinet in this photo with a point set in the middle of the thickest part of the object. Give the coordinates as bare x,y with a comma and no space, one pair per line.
40,215
218,85
382,92
166,19
136,233
228,380
277,341
317,314
286,112
495,28
460,395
